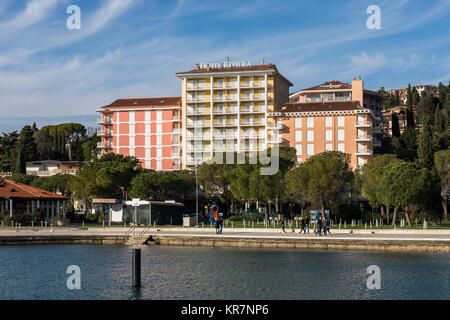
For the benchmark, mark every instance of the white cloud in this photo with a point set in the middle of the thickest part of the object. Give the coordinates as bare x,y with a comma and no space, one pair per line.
35,11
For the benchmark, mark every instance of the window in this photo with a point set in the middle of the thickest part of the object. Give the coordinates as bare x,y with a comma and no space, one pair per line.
132,152
328,121
131,128
298,135
132,141
328,135
131,116
147,128
310,149
147,115
341,134
159,127
361,161
310,122
298,147
298,122
147,153
159,152
341,147
158,115
328,147
299,160
340,121
147,164
310,135
158,164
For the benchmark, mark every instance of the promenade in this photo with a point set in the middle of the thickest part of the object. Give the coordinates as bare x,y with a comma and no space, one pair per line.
405,240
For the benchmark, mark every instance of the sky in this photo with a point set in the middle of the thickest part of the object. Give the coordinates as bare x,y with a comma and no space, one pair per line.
132,48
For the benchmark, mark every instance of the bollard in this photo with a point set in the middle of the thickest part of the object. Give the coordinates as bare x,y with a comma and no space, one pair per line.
42,224
365,225
203,224
370,224
32,224
136,265
296,224
244,223
339,225
46,224
252,224
103,223
232,224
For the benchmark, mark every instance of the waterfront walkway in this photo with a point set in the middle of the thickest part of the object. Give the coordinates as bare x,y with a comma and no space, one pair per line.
380,240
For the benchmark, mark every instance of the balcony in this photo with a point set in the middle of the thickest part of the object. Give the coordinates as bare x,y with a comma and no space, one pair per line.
253,84
225,148
363,138
253,123
225,86
198,111
197,99
225,111
104,145
363,152
104,133
225,98
198,87
198,137
253,97
225,136
252,110
198,124
249,148
198,149
363,124
225,123
106,121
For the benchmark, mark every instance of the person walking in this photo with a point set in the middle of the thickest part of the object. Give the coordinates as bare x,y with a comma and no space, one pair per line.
328,227
307,223
303,222
220,219
319,226
283,224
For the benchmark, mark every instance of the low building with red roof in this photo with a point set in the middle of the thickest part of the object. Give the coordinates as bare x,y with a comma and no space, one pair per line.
19,198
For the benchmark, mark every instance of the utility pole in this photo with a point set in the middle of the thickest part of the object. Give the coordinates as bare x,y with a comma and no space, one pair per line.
196,193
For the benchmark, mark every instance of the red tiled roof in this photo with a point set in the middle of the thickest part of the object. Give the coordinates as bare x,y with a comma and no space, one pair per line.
322,106
147,102
261,67
326,86
10,189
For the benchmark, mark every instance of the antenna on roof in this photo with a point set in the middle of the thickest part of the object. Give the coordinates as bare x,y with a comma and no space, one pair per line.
359,77
228,59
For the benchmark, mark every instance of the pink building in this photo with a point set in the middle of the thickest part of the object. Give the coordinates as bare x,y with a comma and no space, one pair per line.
148,129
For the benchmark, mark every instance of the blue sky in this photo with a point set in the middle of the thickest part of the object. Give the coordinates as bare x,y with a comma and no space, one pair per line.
132,48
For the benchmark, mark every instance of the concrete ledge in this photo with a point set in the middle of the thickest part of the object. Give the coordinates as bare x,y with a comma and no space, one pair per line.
392,245
62,239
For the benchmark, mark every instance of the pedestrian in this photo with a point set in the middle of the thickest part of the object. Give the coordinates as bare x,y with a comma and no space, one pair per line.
328,226
307,222
220,222
319,226
283,224
303,222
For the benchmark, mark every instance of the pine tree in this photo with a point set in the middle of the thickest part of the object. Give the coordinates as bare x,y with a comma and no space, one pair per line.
395,126
438,123
425,150
20,162
409,98
409,108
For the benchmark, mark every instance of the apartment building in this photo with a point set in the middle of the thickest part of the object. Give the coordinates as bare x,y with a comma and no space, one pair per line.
333,116
340,91
225,108
148,129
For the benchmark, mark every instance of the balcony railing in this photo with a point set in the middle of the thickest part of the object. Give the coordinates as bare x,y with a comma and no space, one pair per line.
253,123
253,97
225,98
225,86
198,124
198,87
363,138
198,111
103,145
198,99
254,84
104,121
225,111
104,133
198,137
363,124
252,110
363,152
225,124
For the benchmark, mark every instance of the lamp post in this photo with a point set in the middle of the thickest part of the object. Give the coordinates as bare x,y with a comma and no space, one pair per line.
196,193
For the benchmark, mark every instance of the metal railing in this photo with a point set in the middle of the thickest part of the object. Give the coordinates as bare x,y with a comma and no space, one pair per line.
129,231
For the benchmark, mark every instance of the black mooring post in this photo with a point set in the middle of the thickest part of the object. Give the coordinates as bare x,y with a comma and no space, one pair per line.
136,268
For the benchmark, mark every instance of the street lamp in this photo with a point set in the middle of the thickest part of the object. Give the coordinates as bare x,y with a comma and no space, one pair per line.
196,192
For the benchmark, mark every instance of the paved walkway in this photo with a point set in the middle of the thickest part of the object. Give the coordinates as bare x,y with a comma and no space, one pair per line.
277,234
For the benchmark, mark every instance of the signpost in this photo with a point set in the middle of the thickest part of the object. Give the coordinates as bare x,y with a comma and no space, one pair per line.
135,204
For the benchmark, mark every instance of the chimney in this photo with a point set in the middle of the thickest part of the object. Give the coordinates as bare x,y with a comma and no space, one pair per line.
197,66
357,91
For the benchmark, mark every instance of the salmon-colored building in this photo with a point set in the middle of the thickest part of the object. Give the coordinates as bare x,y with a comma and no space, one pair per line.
148,129
333,116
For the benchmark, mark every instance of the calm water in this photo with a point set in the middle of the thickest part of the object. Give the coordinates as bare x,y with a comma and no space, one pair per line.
39,272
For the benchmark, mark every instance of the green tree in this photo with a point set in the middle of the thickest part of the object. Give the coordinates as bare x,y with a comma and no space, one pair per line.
371,174
330,178
395,126
439,124
7,155
20,162
425,149
27,145
442,165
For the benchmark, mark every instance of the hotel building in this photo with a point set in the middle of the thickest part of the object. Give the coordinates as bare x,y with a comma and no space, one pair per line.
225,108
332,116
148,129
